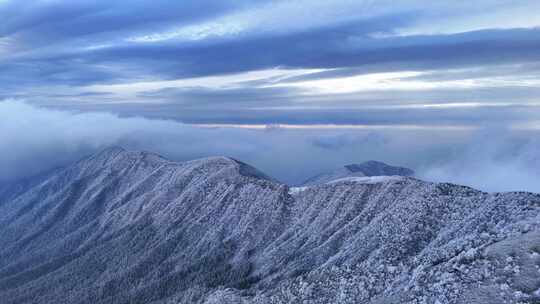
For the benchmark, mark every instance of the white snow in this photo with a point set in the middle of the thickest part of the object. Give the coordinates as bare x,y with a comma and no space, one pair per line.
366,179
296,190
353,242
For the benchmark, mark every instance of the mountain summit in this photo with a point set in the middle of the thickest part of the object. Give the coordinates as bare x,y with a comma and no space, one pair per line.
365,169
133,227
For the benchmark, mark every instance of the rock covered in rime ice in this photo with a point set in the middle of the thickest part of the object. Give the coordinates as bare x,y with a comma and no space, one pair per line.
133,227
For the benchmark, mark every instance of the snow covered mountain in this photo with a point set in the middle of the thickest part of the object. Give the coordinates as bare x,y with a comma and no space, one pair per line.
369,168
133,227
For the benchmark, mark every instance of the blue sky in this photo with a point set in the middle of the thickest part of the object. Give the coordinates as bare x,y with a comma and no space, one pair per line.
427,63
449,88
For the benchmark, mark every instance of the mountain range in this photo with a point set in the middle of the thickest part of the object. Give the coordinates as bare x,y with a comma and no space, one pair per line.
133,227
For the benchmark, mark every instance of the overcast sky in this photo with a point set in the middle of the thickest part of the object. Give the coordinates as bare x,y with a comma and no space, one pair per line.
261,62
312,67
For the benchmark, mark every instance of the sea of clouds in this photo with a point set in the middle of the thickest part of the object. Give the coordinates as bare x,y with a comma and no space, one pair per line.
35,139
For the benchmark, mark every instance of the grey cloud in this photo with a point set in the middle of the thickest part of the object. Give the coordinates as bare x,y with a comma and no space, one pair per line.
56,21
530,70
339,46
441,73
224,97
330,48
81,94
500,107
493,161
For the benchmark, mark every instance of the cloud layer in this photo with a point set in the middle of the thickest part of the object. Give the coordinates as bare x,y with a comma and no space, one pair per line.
37,139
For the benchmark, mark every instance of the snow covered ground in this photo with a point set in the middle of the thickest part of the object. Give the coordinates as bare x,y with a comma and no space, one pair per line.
133,227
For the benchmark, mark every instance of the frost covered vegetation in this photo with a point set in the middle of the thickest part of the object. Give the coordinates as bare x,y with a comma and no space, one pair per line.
132,227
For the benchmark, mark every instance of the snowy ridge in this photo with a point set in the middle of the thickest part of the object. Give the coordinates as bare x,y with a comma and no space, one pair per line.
133,227
355,179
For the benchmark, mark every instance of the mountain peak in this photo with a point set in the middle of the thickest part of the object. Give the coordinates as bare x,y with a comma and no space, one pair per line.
238,166
118,158
112,150
109,152
377,168
365,169
248,170
118,155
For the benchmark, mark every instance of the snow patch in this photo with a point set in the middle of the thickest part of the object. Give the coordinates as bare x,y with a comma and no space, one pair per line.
367,179
296,190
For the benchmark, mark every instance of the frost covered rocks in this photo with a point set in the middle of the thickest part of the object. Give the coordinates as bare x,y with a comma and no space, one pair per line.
132,227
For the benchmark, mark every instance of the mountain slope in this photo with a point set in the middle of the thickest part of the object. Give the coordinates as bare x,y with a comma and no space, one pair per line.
365,169
132,227
120,214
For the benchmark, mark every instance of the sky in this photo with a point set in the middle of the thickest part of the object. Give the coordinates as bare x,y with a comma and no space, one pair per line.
449,88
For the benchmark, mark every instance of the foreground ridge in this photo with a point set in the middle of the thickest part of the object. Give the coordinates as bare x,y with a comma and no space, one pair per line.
133,227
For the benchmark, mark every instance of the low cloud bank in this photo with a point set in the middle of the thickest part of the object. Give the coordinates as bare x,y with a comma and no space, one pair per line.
492,161
33,140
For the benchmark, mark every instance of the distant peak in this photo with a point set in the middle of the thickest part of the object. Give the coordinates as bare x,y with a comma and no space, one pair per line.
377,168
119,156
368,179
369,163
365,169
